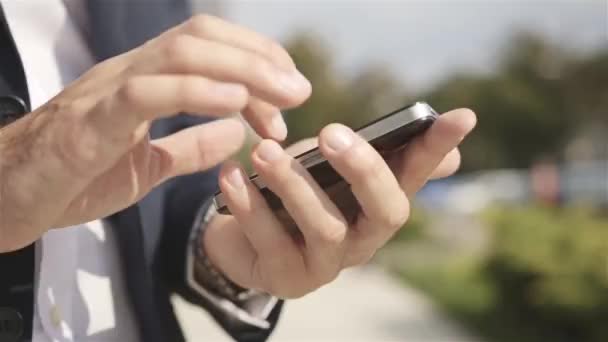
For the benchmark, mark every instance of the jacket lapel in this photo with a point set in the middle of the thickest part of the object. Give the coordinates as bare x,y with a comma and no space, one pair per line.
18,267
139,280
12,79
115,27
118,26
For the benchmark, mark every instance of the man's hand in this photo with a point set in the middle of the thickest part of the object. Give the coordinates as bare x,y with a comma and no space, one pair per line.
86,153
254,247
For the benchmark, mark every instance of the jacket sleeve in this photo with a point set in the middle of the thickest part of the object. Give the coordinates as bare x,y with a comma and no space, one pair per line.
187,200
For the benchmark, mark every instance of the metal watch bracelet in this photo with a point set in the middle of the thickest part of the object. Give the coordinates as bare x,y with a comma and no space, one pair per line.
205,273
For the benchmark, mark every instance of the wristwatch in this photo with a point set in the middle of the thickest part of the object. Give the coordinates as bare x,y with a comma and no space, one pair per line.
251,307
205,273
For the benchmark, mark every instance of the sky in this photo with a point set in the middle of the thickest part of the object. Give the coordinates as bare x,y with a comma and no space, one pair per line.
421,42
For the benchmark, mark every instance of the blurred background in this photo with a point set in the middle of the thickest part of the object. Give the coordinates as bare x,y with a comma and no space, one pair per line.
515,246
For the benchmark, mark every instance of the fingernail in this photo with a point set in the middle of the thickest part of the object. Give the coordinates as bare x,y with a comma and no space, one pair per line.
293,81
235,178
278,127
269,151
339,138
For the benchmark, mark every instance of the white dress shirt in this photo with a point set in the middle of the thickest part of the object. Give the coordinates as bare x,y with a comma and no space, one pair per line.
81,294
80,290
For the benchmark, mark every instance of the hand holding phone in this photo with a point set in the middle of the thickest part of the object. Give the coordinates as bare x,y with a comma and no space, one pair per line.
386,134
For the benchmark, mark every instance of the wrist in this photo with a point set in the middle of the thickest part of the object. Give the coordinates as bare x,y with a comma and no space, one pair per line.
207,259
206,240
207,250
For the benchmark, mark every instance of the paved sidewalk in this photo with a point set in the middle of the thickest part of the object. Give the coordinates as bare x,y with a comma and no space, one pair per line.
363,304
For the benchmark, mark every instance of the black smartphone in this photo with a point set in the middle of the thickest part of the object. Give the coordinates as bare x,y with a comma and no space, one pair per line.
386,134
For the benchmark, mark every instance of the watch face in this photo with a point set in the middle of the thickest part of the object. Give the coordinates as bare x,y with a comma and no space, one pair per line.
386,134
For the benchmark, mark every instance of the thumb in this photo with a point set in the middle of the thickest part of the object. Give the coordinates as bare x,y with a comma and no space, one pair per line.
196,148
428,151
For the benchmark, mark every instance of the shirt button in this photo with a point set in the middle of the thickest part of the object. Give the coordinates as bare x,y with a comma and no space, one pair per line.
55,315
11,325
12,108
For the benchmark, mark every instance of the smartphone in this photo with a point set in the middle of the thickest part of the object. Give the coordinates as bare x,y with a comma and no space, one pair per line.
386,134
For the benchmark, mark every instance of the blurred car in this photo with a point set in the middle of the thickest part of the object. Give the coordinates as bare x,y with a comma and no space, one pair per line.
473,192
581,183
585,183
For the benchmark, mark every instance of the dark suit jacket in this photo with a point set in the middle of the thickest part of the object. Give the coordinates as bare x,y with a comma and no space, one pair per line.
153,234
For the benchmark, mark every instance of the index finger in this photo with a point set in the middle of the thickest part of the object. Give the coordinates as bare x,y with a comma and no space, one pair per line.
221,31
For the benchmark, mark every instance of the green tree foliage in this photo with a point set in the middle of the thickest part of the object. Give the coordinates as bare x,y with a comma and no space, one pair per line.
545,277
586,84
351,100
537,99
531,107
549,271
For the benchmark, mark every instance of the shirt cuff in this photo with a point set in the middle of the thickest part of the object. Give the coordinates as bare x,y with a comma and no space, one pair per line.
251,307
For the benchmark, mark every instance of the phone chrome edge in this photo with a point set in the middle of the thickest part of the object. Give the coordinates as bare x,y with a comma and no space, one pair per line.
418,110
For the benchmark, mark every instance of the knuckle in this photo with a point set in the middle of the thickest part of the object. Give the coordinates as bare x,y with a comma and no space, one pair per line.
280,178
332,234
364,164
73,155
277,51
373,168
130,94
360,257
325,278
235,101
279,264
294,292
70,110
205,156
288,287
189,89
200,23
258,67
76,149
395,219
282,181
178,52
239,101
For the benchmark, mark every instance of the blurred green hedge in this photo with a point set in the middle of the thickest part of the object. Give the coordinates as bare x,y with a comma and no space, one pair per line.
414,229
549,268
543,277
